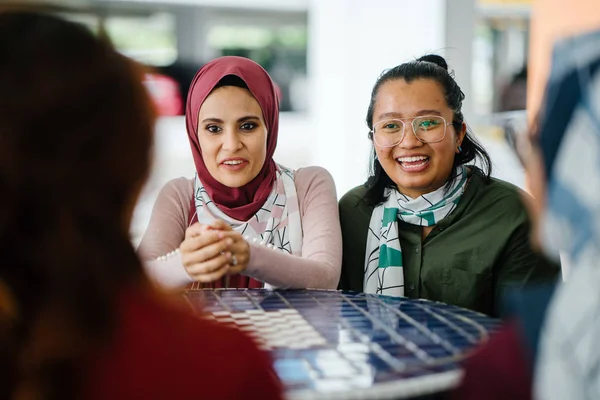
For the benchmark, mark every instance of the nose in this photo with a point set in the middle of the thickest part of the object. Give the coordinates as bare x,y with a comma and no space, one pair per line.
409,141
231,140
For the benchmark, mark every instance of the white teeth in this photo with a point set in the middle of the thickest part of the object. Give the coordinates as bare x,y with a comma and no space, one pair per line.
233,162
412,166
411,159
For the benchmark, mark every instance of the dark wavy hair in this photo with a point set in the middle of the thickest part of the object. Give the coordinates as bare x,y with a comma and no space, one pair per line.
432,67
231,80
76,135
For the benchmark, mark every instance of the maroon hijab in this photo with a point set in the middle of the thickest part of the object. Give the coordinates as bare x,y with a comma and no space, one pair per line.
243,202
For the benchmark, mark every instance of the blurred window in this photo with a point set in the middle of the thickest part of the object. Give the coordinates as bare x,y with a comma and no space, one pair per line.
150,40
281,50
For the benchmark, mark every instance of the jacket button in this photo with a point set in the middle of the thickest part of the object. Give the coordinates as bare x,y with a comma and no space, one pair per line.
412,286
417,250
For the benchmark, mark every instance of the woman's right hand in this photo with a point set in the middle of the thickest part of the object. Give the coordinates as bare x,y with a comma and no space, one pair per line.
204,253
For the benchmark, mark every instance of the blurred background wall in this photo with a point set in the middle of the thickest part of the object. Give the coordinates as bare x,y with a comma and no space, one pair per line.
325,56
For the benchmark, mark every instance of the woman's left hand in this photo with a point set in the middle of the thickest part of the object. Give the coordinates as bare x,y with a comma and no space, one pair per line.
239,249
240,253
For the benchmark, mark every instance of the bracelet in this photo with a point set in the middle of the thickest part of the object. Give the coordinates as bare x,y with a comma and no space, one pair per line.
165,257
256,240
247,238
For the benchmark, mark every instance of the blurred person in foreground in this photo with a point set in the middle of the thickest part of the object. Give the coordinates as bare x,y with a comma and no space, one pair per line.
78,318
549,349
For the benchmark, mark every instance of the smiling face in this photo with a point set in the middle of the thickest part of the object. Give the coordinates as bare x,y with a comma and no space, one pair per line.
232,136
415,167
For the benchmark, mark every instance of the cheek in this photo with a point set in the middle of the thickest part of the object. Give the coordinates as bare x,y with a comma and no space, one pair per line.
258,147
383,154
208,149
444,152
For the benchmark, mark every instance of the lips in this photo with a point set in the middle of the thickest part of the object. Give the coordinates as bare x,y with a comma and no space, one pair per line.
417,163
233,161
234,164
412,159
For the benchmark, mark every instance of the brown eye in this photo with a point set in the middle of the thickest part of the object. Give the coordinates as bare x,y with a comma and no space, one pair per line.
248,126
213,129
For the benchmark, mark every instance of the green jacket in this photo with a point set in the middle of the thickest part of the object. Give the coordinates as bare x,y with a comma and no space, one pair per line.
471,257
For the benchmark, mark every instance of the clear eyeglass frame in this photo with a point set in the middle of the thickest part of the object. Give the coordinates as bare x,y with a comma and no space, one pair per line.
412,124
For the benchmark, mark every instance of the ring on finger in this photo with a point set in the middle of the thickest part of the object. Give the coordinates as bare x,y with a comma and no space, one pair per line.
234,260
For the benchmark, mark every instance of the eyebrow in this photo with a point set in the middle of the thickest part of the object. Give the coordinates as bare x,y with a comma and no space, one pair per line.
399,115
242,119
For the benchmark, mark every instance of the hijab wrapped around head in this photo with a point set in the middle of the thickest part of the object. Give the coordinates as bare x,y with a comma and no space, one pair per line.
243,202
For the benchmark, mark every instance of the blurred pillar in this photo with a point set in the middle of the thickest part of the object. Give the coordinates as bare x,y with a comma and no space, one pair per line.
193,25
459,39
350,43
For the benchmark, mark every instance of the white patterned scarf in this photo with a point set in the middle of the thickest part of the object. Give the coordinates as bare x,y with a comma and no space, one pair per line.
277,223
383,259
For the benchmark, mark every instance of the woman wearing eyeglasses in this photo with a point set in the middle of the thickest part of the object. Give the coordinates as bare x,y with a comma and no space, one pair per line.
426,224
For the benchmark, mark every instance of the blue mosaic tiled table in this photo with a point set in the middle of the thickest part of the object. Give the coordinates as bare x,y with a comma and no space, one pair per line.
345,345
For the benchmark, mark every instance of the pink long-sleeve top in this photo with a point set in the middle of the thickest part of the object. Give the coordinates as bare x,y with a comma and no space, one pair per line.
318,267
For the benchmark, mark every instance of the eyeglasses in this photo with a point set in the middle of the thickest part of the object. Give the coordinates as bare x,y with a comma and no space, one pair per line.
427,129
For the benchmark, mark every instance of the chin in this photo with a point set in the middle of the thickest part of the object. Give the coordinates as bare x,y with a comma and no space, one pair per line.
415,186
234,182
414,182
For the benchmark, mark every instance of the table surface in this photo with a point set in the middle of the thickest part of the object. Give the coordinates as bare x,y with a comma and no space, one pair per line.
345,345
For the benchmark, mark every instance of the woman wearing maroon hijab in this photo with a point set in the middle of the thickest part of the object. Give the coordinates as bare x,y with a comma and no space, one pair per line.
243,220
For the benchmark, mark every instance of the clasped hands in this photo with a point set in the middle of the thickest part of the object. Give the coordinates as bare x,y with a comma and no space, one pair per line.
210,251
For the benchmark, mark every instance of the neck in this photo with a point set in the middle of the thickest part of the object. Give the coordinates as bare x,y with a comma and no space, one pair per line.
416,193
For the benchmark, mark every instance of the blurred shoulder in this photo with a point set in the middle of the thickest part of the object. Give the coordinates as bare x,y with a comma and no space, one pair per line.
160,350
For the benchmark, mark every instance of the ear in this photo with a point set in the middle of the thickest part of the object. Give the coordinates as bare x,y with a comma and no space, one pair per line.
460,136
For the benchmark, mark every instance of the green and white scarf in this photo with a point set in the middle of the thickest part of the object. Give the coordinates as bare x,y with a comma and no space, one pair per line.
383,259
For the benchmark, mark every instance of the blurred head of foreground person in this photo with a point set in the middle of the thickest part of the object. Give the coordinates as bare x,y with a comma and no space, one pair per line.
549,349
77,317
